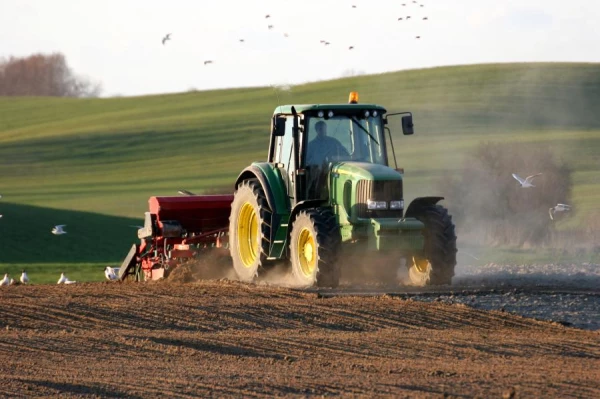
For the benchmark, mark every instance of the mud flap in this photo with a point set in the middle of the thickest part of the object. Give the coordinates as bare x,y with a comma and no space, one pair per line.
129,263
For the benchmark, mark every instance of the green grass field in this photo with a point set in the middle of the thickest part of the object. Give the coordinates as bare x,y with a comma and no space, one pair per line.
93,163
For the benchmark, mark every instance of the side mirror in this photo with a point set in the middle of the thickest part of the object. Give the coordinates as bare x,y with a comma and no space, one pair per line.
278,126
407,125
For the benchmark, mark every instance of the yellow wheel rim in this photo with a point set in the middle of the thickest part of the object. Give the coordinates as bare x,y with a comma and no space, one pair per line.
307,252
422,265
248,233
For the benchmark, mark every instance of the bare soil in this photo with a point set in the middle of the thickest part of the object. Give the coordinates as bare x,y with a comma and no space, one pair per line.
224,338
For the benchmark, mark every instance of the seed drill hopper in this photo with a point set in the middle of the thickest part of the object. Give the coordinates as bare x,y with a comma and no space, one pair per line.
177,229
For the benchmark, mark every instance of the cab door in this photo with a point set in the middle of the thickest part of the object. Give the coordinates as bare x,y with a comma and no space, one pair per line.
285,160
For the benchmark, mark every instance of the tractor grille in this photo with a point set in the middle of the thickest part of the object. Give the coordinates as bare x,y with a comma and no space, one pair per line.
384,190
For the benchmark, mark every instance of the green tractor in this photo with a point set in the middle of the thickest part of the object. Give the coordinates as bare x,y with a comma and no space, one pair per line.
328,194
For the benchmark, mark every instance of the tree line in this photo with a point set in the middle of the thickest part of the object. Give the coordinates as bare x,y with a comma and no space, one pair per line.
43,75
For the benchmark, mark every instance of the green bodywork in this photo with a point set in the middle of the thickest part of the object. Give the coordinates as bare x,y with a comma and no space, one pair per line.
382,233
374,234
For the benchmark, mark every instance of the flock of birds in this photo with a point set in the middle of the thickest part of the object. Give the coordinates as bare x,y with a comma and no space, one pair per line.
527,183
111,274
270,26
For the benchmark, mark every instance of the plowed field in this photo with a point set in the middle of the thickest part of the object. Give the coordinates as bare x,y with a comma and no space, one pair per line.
223,338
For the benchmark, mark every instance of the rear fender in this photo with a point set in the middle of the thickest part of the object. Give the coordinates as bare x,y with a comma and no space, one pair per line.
271,183
277,198
416,206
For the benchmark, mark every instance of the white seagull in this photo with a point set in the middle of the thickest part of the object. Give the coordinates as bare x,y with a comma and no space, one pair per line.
12,281
65,280
58,229
24,278
5,280
168,37
111,273
527,182
558,208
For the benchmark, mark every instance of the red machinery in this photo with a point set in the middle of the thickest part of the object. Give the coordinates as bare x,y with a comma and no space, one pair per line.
175,230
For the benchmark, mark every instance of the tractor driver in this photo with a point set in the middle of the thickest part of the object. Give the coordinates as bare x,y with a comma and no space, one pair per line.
323,147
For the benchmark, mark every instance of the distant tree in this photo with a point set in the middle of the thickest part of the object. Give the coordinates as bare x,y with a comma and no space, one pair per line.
43,75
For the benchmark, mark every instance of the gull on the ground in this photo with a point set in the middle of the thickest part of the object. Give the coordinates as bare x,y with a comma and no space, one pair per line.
111,273
24,277
58,229
527,182
5,280
65,280
168,37
12,282
558,208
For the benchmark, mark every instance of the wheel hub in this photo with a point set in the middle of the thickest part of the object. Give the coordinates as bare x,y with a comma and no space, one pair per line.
307,252
248,233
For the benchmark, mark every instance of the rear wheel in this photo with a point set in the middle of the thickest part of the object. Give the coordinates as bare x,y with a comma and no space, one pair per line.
436,265
314,245
249,230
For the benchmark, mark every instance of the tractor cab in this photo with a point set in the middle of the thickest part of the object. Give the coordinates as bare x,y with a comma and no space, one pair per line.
309,140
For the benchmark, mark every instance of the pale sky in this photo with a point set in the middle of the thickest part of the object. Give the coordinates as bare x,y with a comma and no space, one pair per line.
118,42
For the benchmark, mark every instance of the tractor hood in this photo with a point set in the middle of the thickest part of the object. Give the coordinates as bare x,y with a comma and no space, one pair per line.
365,171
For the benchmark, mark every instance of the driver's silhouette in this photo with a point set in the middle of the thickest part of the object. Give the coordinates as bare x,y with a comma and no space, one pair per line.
322,146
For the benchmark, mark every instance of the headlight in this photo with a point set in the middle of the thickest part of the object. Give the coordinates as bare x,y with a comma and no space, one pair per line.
367,114
376,204
375,113
397,204
330,114
320,114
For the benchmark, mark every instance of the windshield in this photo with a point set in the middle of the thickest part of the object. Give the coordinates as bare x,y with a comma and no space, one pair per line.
345,138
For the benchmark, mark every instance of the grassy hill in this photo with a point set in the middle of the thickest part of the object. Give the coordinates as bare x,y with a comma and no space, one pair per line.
93,163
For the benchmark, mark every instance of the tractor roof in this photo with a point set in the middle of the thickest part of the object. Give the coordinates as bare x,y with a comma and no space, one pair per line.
300,108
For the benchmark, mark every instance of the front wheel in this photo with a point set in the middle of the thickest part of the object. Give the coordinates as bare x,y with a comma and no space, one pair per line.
436,265
314,245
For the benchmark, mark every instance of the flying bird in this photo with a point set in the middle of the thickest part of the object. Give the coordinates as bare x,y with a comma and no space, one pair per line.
400,19
241,40
418,37
208,62
286,35
58,229
270,27
65,280
408,17
527,182
350,48
110,273
353,6
267,16
425,19
24,278
5,280
168,37
185,192
558,208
